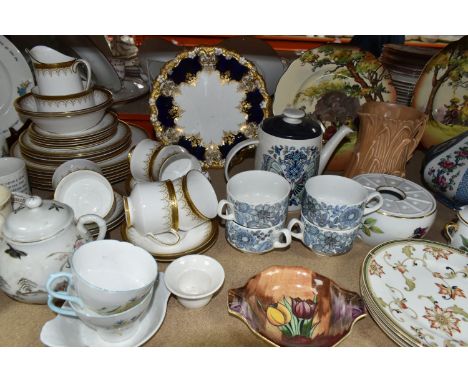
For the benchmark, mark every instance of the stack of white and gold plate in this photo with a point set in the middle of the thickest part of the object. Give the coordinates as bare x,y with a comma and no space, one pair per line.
43,152
416,291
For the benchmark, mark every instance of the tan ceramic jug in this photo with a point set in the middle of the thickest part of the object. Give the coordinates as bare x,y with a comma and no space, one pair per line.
388,135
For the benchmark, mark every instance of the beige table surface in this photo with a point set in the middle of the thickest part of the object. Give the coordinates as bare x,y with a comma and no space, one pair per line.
20,324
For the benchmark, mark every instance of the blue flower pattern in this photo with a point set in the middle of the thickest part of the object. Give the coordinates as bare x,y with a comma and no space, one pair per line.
249,240
260,215
295,164
328,242
331,216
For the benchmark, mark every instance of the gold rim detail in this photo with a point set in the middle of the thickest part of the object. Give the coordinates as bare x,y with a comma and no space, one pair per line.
127,212
189,199
173,203
41,65
63,97
153,156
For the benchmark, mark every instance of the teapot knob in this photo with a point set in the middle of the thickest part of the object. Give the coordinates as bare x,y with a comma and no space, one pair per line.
293,116
33,202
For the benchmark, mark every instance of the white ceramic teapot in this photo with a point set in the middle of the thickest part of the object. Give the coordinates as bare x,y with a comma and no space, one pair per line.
37,239
291,146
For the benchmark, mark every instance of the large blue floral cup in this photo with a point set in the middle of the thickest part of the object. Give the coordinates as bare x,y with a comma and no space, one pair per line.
256,199
258,240
336,202
323,241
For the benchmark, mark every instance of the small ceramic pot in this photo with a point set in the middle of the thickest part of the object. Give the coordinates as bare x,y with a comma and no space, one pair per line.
141,159
457,232
408,209
196,200
152,209
256,199
112,327
87,192
178,165
63,104
107,276
323,241
338,203
71,166
194,279
257,240
13,175
37,241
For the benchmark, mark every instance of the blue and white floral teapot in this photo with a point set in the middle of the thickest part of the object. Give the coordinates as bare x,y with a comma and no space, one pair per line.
291,146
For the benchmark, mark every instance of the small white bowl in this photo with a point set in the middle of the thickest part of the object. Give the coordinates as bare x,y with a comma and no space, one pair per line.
193,279
178,165
87,192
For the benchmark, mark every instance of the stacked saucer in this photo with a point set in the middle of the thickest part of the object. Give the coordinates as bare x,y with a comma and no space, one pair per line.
69,121
405,64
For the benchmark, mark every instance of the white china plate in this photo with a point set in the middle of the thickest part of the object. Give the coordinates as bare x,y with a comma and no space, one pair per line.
207,100
131,89
16,79
69,331
420,287
193,240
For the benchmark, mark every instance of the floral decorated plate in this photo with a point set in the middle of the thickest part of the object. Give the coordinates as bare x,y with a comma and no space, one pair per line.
294,306
16,80
419,288
207,100
330,83
441,93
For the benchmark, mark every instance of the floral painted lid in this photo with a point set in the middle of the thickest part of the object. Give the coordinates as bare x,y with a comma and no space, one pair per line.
292,124
401,197
37,220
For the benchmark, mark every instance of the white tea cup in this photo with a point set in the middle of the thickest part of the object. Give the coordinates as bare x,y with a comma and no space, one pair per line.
13,175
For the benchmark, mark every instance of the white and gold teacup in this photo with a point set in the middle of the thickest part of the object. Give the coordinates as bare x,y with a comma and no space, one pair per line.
63,103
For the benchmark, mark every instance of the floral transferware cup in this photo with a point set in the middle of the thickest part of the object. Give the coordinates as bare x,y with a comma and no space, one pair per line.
338,203
257,240
321,240
256,199
294,306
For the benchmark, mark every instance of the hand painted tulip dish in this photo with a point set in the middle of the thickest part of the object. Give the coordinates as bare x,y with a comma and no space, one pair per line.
294,306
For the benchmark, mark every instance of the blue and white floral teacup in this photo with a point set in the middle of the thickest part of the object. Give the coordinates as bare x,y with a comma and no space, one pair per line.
323,241
256,199
336,202
257,240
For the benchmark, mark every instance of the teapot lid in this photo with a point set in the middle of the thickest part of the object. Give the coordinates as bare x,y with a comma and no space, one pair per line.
37,220
292,124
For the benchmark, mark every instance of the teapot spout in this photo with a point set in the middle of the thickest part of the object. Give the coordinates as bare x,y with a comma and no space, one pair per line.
331,145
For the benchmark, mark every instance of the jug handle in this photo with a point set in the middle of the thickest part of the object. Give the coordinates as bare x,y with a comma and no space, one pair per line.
88,70
234,151
86,219
449,229
417,139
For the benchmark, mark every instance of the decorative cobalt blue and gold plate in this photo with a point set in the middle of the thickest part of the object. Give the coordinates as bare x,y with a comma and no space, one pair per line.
207,100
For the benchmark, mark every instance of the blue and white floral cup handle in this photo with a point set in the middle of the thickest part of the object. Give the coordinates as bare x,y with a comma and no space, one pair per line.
229,214
282,233
297,235
373,195
61,295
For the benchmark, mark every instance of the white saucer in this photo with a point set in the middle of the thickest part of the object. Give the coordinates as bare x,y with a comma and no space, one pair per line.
197,240
69,331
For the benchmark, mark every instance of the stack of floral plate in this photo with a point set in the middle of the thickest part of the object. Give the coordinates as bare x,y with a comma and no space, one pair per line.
415,290
405,64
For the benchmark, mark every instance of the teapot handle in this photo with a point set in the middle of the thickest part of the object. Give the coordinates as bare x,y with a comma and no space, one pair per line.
234,151
86,219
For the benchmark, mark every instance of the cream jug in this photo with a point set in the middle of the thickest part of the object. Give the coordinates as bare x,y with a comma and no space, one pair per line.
291,145
57,74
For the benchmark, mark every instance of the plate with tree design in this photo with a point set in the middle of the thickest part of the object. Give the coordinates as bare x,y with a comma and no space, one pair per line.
441,92
330,83
207,100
